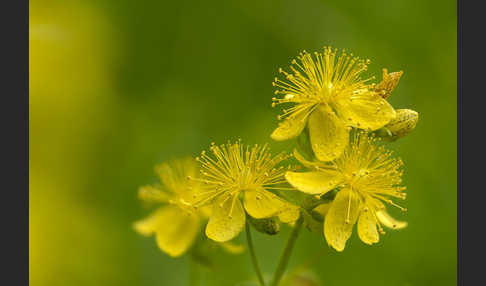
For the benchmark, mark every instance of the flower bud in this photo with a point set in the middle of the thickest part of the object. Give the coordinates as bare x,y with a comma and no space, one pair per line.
267,225
404,122
388,84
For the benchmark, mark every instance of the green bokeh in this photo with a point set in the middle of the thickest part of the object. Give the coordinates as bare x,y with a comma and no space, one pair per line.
182,74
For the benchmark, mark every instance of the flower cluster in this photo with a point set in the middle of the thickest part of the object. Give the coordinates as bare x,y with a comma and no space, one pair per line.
345,177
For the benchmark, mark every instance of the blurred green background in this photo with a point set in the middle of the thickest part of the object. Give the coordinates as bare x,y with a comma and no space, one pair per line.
119,86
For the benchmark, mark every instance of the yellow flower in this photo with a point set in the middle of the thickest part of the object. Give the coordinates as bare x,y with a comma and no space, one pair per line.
329,97
177,223
234,173
366,176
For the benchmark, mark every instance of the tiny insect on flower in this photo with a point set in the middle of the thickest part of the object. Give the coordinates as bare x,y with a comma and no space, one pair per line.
388,83
233,174
329,97
366,175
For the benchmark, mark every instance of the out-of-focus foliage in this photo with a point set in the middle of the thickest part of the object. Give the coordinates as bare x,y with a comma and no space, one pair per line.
119,86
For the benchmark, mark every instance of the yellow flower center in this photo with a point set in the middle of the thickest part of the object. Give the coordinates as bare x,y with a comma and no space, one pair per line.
233,169
370,171
320,78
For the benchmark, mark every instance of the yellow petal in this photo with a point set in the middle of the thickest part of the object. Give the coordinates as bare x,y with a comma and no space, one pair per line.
367,230
290,215
290,127
148,225
328,134
176,231
227,219
205,211
366,110
323,209
390,222
153,194
260,203
305,162
232,248
318,182
339,221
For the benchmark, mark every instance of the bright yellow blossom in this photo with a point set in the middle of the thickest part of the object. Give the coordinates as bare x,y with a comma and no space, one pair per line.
175,224
366,176
236,174
330,97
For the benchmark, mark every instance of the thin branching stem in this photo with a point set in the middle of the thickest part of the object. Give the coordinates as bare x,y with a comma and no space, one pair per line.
284,259
253,255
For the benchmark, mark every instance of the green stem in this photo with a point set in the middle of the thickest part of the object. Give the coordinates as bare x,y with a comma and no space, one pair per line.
284,259
253,256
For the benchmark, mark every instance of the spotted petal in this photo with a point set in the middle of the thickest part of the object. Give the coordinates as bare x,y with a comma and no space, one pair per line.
367,230
290,215
314,183
328,134
364,110
227,219
340,219
260,203
290,127
389,221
